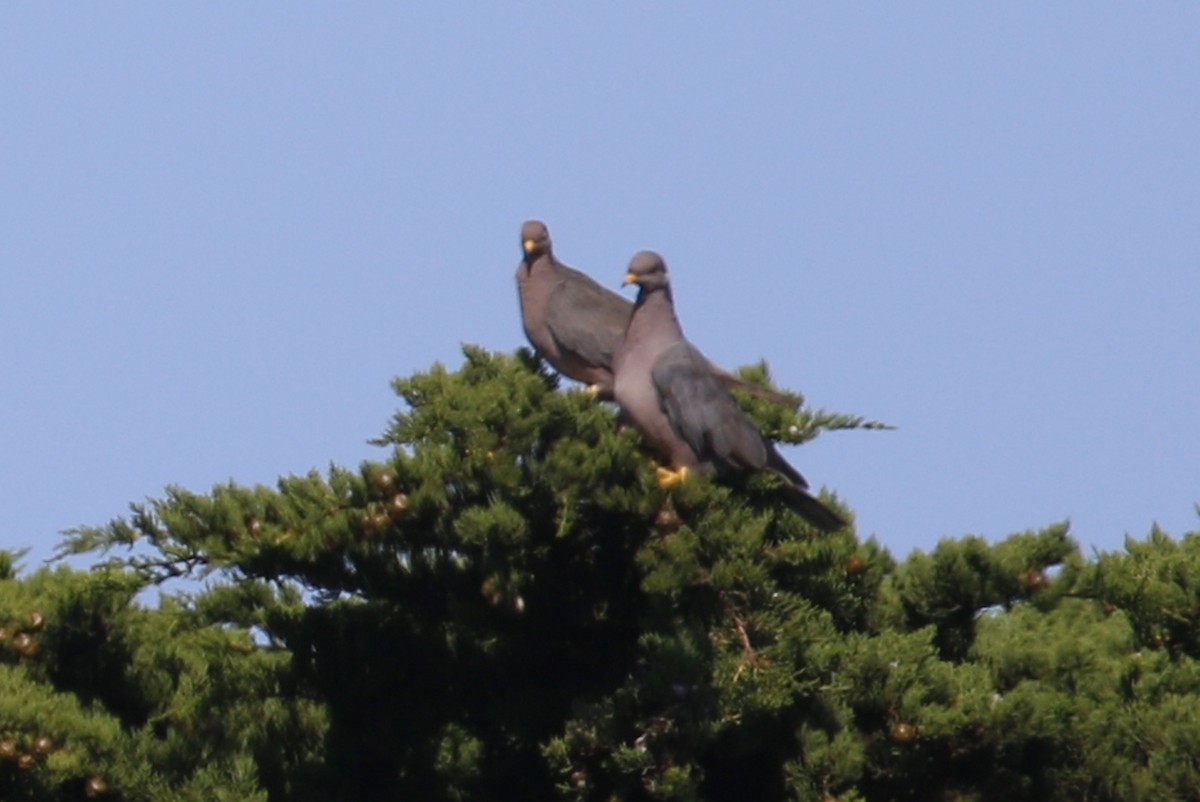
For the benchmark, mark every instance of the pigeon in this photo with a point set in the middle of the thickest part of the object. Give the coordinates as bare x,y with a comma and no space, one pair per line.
577,325
665,388
573,322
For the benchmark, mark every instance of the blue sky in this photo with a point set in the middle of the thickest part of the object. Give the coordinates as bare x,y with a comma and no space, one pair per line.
224,227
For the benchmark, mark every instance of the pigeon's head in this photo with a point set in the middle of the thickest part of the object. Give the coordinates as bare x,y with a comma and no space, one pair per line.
648,270
535,239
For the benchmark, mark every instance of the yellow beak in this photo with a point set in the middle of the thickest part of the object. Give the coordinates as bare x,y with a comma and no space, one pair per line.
529,245
630,278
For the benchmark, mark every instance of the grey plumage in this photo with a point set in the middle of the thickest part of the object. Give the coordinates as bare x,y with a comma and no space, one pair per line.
573,322
577,325
664,386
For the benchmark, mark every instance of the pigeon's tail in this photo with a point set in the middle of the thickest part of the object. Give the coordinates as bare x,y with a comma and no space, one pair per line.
734,382
813,510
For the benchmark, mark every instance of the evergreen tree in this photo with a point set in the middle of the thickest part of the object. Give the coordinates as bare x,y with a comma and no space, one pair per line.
102,698
508,606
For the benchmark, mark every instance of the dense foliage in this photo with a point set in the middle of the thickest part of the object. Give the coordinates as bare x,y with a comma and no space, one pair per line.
509,607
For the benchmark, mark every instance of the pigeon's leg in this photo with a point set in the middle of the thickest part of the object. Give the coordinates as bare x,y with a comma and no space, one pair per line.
669,478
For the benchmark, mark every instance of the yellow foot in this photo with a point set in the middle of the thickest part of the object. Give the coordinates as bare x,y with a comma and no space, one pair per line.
669,478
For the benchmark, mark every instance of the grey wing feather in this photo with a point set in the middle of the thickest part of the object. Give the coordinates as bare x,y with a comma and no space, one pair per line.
703,413
587,319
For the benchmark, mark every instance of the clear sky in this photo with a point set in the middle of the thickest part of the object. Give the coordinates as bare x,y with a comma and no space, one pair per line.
224,227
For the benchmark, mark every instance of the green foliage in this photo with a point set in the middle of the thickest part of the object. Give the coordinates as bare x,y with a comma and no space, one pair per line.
509,607
97,692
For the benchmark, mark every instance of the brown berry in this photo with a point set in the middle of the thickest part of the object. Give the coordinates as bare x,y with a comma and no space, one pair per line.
8,749
1034,580
668,520
24,644
489,591
385,480
253,525
903,732
398,504
4,634
855,564
95,786
43,745
35,621
25,761
1109,609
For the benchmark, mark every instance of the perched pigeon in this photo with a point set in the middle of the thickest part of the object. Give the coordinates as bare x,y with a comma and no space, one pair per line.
573,322
665,388
577,325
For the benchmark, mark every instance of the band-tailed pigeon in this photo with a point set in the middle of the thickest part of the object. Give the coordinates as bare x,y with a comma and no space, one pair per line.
577,325
664,386
573,322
